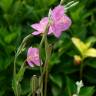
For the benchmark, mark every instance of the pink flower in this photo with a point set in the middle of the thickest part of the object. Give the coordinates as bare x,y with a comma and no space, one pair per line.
58,12
60,22
40,27
33,57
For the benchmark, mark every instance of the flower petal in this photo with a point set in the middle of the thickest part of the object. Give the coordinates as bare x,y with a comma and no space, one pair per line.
58,12
29,53
50,30
63,24
36,58
44,21
36,33
57,33
30,63
33,57
37,27
66,21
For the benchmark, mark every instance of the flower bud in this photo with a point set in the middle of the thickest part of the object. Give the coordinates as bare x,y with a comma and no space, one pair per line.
34,84
77,59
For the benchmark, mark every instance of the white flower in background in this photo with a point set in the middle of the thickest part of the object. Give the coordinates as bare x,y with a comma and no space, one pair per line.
79,86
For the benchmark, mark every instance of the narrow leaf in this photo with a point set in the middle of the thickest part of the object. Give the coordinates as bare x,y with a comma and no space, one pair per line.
87,91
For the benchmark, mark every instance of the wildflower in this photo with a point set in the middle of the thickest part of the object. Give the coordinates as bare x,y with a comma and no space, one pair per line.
41,26
59,22
33,57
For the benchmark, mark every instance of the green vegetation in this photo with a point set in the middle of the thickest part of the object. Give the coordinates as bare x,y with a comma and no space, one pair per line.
16,16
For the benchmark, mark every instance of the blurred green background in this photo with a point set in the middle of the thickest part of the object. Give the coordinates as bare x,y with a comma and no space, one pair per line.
16,16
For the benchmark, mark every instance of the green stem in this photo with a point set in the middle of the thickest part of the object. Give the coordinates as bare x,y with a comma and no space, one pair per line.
24,42
40,47
33,94
14,77
45,69
46,66
61,2
42,88
81,70
48,50
16,81
68,88
46,78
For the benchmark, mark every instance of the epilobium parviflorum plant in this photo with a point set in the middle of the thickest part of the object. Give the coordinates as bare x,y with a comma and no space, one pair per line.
52,25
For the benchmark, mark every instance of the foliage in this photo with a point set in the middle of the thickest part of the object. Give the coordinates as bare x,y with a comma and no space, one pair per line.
16,16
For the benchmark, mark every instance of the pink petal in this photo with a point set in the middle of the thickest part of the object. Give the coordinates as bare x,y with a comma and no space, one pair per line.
58,12
56,31
37,27
30,63
66,21
36,58
44,21
33,57
61,25
58,27
29,51
36,33
50,30
57,34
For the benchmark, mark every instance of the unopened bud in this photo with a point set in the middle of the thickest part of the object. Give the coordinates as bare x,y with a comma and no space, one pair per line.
34,84
77,59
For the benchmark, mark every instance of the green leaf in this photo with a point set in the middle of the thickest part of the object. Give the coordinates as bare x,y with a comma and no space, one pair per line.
79,44
87,91
70,86
5,4
68,66
25,86
20,74
90,76
55,91
16,7
56,79
91,52
2,92
91,41
14,84
10,37
77,14
92,63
